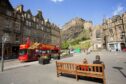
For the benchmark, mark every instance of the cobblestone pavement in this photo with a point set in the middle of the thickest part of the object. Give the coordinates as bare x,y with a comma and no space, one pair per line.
34,73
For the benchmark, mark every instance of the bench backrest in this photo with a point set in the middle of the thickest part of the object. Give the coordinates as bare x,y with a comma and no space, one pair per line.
66,66
82,68
91,67
89,70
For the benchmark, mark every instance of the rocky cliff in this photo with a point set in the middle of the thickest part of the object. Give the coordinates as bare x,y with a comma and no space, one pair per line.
76,28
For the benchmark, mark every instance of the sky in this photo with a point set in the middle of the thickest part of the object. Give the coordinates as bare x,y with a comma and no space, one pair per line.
62,11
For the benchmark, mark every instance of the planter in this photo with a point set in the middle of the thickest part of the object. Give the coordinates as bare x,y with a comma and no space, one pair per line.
55,56
66,56
44,61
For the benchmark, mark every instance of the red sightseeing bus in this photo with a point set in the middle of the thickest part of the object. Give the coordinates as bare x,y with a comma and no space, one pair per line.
36,50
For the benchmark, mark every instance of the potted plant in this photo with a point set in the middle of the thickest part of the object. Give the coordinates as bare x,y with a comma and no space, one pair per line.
44,60
54,56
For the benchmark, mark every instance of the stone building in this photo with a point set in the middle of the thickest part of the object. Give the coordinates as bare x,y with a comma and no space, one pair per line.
11,25
55,36
115,32
21,25
97,38
111,34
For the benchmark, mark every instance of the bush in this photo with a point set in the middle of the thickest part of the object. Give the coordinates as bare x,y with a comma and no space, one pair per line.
64,45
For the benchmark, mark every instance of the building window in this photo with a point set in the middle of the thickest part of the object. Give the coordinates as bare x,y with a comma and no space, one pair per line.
8,23
29,24
34,19
27,32
29,16
17,26
42,22
18,16
124,19
42,28
9,13
98,34
37,26
111,31
25,15
17,38
120,27
34,25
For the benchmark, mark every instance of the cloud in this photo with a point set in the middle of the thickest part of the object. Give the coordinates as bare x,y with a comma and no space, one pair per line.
55,1
119,10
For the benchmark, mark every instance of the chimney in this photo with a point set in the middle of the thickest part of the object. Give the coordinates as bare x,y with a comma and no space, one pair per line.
20,8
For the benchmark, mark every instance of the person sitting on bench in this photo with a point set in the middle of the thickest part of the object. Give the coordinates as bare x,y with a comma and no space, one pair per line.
82,67
85,61
98,61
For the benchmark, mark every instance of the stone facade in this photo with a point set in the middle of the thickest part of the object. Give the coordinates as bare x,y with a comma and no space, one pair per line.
97,37
21,25
113,33
55,36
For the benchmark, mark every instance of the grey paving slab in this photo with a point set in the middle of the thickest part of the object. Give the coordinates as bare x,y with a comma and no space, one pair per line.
34,73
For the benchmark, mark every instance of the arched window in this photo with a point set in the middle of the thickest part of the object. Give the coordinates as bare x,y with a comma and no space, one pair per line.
98,34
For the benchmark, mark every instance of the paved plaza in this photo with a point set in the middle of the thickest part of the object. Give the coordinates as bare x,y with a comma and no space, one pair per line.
34,73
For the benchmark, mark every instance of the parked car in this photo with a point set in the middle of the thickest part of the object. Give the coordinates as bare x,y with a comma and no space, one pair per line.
72,52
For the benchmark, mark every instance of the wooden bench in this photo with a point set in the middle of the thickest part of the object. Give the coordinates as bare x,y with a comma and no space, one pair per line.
87,70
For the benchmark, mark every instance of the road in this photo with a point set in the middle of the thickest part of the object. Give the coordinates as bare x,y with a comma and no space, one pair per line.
34,73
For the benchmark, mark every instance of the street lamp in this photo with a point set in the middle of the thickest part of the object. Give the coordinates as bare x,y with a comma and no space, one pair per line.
5,38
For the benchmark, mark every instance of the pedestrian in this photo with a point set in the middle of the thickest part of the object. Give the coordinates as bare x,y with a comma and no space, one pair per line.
88,51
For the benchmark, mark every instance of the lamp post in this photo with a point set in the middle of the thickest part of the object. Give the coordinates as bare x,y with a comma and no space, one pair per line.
5,38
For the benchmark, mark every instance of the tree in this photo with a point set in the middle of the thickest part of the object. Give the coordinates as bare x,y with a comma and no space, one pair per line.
65,45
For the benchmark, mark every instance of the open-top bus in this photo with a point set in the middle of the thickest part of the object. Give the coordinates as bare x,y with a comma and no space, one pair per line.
36,50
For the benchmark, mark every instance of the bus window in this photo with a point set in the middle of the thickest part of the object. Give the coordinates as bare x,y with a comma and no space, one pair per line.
48,51
44,52
22,52
54,51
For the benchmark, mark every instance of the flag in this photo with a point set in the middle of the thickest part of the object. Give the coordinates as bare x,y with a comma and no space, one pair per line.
28,42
